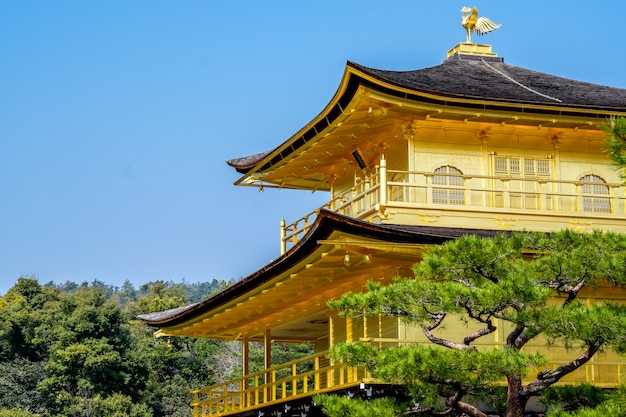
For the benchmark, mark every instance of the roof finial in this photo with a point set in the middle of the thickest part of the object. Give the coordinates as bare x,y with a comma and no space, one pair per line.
479,25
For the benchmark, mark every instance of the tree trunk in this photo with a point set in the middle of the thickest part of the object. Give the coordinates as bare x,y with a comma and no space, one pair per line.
469,410
515,399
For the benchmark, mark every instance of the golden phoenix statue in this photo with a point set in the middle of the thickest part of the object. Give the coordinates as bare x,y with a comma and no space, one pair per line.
474,24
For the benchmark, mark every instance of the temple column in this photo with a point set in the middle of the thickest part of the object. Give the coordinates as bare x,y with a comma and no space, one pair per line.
245,366
267,353
331,183
330,376
245,356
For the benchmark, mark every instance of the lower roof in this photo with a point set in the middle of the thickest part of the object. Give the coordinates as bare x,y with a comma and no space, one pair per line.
327,224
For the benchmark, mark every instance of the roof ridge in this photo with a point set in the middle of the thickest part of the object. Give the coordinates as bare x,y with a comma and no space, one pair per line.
520,84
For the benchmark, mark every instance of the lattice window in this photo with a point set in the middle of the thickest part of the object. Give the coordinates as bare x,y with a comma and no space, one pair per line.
543,168
515,166
522,177
452,178
595,194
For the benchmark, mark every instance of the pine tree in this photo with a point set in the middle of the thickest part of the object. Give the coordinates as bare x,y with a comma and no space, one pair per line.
525,285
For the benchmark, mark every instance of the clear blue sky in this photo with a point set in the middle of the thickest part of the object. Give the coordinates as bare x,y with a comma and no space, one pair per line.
116,117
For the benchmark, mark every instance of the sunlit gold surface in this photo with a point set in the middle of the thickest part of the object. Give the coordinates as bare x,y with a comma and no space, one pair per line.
474,24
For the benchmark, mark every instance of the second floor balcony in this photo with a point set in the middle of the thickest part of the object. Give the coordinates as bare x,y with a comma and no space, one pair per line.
496,202
287,389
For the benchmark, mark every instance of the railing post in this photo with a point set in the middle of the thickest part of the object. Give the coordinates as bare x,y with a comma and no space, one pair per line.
467,191
331,183
580,200
351,371
367,196
382,171
283,234
506,195
612,200
330,375
380,330
245,367
273,388
316,377
364,326
196,405
349,329
428,179
543,201
267,363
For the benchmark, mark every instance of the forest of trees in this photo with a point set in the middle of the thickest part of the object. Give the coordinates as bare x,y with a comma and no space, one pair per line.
78,350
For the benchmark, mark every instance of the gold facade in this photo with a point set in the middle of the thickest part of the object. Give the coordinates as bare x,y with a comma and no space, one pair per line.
390,155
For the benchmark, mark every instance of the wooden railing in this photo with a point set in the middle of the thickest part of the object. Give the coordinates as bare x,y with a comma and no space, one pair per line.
289,381
353,202
314,374
497,194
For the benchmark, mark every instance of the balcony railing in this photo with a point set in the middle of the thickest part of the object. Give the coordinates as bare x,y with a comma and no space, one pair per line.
315,374
440,192
289,381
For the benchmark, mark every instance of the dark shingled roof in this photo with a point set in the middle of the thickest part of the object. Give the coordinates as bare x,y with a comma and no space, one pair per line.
164,315
247,162
497,81
469,77
325,224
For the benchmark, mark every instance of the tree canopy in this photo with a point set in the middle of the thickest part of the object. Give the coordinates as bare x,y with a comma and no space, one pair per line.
527,285
77,350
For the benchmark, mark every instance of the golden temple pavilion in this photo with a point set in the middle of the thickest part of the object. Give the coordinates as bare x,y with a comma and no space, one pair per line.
409,159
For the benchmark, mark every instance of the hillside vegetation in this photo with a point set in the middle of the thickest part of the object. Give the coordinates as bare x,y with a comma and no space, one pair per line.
78,350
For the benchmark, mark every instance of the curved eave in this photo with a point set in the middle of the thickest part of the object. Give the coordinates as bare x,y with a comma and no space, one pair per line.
340,101
325,225
357,77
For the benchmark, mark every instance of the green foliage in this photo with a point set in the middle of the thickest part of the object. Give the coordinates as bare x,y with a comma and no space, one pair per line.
573,397
171,397
616,142
429,370
341,406
77,350
281,353
21,313
604,410
115,405
16,412
201,290
19,380
90,354
158,296
513,278
596,404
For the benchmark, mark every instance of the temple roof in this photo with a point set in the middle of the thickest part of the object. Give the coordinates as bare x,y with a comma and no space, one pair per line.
496,81
325,225
466,83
